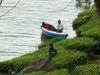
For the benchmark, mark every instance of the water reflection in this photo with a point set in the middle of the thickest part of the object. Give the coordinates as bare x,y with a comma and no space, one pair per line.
44,38
84,4
20,28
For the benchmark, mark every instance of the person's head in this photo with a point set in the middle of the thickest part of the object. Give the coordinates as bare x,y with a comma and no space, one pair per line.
43,23
50,45
59,21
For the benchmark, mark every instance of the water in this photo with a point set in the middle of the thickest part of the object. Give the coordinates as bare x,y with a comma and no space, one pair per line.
20,31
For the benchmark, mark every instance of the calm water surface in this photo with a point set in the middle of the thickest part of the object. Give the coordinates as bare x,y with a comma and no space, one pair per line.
20,31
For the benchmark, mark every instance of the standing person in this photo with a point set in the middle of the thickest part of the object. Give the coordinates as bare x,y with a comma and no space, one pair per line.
52,53
59,27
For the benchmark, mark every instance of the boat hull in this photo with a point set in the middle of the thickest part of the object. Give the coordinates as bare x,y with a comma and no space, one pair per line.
53,34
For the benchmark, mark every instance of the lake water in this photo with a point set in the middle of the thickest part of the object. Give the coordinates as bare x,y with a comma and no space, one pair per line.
20,31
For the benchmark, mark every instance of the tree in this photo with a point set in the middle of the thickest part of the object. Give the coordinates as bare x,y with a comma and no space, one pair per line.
1,2
97,4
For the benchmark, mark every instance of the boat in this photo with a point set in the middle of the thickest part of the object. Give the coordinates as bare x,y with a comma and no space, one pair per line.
53,34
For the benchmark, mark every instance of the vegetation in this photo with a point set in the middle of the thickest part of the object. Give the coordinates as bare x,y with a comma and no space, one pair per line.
90,28
56,72
72,54
80,43
97,3
90,69
94,32
68,56
46,43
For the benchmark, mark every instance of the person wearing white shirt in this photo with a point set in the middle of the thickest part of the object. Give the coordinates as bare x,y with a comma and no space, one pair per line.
59,27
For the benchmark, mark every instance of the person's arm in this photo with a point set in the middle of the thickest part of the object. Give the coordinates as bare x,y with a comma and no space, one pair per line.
61,27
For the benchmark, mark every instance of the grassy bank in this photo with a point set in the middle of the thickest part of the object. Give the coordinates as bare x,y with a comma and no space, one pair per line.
88,27
90,69
63,58
73,53
56,72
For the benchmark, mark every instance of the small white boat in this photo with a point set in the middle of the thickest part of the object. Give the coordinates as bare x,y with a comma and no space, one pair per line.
53,34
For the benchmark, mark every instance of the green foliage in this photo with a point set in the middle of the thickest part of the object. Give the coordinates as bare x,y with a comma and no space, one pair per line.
90,69
73,57
70,51
94,32
19,63
46,43
80,21
36,73
87,13
56,72
90,28
68,56
80,43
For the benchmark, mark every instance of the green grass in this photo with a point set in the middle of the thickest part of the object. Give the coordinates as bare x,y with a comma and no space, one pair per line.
94,32
79,22
89,28
46,43
56,72
70,51
63,59
36,73
90,69
80,43
19,63
69,56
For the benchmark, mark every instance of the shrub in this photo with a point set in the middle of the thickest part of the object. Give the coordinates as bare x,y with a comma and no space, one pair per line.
94,32
64,57
36,73
83,18
19,63
92,23
90,69
56,72
80,21
80,43
46,43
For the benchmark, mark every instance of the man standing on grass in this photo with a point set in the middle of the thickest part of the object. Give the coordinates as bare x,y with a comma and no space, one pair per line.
52,52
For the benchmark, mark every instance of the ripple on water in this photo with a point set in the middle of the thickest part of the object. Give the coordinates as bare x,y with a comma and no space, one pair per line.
20,31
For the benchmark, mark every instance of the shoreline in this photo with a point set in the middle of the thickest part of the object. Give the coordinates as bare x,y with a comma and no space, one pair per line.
76,51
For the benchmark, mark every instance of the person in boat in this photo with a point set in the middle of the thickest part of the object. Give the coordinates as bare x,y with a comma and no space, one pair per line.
52,52
48,26
59,27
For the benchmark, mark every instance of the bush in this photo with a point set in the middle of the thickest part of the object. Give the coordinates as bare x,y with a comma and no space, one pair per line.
19,63
90,69
46,43
94,32
64,57
80,43
56,72
36,73
80,21
83,19
92,23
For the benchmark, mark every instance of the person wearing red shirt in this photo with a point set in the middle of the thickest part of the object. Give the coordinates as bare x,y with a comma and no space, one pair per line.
46,26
